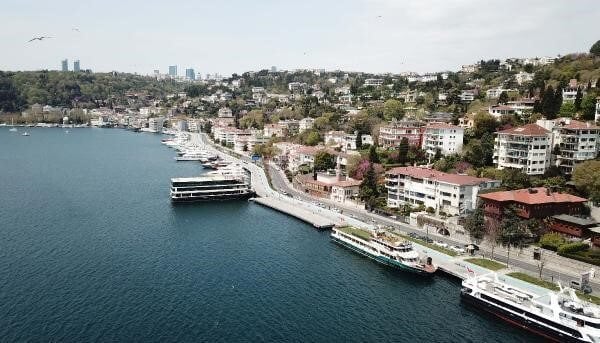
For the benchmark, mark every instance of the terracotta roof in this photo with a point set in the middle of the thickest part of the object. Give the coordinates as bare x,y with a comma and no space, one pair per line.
536,196
442,126
526,130
576,124
421,173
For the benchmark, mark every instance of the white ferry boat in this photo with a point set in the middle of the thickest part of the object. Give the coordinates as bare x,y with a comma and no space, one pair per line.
384,248
213,186
557,316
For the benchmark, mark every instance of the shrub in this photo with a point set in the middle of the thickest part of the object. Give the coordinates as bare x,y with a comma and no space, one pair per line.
552,241
570,248
430,210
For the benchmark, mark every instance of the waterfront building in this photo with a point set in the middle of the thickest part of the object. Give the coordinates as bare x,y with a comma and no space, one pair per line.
576,226
444,137
333,185
450,193
391,135
65,65
297,87
190,74
76,66
173,71
155,124
540,202
527,148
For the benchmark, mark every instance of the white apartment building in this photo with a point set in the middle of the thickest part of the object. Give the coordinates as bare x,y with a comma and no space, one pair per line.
373,82
347,141
306,124
523,77
297,87
497,111
526,147
225,112
467,96
245,141
155,124
274,130
577,141
445,137
258,89
450,193
597,116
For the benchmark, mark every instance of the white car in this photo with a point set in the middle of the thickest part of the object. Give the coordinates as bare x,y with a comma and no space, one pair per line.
457,249
440,244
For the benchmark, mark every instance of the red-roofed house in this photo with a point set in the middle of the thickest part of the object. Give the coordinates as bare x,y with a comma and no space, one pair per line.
538,202
450,193
527,148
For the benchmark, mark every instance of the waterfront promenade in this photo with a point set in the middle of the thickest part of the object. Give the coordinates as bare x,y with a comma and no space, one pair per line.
303,207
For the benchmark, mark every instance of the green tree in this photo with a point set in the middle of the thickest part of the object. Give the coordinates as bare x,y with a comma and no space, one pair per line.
358,140
373,156
578,99
588,107
480,152
403,149
514,179
547,105
368,188
557,101
568,109
393,109
586,177
324,160
503,98
475,224
484,123
595,49
313,138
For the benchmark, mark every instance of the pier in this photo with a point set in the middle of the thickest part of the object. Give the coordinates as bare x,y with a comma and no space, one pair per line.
316,220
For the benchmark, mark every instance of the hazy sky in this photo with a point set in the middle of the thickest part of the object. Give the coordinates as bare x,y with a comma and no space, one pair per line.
235,36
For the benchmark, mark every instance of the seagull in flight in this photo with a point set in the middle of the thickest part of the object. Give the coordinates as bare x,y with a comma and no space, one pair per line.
75,29
379,16
40,38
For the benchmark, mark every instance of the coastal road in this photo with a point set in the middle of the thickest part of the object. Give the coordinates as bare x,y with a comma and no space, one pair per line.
519,261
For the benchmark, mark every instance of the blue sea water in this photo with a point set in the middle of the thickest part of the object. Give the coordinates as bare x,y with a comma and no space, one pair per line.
91,249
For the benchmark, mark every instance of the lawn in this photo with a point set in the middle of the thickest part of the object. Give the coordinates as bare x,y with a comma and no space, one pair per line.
362,234
485,263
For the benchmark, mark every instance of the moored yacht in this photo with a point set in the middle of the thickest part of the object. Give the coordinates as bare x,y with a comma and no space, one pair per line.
383,247
557,316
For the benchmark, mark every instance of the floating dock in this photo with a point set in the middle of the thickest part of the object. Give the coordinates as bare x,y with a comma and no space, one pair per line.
319,221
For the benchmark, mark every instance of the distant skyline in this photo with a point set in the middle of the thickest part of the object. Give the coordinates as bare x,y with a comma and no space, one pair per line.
235,36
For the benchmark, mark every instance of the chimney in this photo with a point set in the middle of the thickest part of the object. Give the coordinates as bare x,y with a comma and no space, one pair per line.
548,191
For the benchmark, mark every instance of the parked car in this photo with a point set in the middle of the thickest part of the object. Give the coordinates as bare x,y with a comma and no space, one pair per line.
457,249
393,217
440,244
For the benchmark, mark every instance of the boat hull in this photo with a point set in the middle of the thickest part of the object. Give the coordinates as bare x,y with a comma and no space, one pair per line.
517,320
225,197
382,260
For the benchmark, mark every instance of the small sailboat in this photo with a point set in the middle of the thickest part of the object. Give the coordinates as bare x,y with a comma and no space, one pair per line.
25,134
13,128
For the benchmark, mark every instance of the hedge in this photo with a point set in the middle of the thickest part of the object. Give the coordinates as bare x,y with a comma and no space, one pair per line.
552,241
570,248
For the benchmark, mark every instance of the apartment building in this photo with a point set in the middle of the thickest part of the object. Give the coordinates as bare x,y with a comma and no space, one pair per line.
306,124
577,141
445,137
391,135
526,147
450,193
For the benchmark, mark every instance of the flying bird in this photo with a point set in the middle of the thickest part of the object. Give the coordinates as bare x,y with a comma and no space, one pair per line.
379,16
38,38
75,29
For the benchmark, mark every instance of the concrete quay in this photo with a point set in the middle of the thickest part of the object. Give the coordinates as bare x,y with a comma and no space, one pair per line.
316,220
